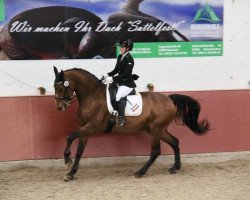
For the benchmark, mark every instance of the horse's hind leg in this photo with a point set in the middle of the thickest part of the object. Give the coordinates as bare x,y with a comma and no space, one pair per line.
155,152
174,143
81,145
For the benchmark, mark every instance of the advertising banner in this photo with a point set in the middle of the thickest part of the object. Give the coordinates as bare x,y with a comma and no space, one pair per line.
89,29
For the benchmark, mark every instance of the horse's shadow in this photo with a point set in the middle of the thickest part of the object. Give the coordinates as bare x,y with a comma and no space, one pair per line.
96,171
91,172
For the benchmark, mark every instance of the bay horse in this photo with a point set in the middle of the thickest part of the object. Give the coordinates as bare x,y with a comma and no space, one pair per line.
158,112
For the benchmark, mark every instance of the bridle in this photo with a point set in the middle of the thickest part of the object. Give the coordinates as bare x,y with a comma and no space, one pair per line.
67,98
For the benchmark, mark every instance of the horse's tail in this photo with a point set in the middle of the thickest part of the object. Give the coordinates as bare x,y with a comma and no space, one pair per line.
188,111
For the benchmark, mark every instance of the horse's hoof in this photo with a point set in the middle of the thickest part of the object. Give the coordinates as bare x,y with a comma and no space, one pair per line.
68,177
138,175
173,170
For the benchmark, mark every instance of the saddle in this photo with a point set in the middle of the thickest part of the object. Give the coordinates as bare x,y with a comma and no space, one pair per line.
133,105
133,101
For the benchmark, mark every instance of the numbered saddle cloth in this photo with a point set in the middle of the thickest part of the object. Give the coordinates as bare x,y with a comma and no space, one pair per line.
133,103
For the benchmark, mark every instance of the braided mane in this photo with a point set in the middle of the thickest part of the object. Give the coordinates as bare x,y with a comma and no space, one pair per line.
82,71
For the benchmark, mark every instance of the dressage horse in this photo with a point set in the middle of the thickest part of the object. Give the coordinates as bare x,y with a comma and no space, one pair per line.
158,112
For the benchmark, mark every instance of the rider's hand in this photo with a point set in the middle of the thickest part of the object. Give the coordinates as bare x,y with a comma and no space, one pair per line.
104,77
108,80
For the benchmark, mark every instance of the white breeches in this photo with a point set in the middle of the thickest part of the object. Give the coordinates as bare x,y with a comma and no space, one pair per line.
123,91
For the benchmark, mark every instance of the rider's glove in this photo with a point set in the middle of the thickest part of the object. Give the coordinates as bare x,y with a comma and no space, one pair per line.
108,80
104,76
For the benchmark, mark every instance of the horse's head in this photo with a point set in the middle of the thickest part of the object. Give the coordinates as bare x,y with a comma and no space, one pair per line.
63,90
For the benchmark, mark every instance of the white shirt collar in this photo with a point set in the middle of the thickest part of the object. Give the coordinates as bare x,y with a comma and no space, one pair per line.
123,55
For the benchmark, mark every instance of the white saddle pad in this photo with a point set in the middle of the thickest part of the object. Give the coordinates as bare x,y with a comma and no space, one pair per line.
133,106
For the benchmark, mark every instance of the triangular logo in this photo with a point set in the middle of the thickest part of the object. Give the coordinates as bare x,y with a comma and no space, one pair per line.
206,13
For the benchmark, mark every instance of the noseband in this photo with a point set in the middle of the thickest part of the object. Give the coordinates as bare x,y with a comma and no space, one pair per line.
66,96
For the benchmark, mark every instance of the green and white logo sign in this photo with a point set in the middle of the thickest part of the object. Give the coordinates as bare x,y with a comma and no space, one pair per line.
177,49
206,13
207,26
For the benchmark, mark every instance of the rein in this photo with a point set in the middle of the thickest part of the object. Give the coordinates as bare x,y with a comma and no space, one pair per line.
86,93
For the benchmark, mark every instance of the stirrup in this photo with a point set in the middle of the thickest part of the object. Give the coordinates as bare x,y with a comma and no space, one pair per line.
111,122
113,117
121,121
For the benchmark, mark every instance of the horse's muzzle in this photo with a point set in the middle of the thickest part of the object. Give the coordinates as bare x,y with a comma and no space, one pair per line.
62,106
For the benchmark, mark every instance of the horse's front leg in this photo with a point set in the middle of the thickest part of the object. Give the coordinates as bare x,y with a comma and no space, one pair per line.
67,151
81,145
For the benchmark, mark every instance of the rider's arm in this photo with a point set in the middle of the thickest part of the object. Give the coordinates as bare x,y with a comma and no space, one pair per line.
127,71
115,71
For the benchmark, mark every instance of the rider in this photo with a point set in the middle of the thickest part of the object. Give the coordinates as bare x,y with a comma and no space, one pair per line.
124,78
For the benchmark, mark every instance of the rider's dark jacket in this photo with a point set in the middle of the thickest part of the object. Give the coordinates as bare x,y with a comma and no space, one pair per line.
123,69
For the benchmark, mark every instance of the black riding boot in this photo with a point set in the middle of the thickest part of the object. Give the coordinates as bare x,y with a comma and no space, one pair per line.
121,112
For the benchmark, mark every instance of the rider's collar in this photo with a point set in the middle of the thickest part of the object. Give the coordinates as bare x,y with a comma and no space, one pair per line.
123,55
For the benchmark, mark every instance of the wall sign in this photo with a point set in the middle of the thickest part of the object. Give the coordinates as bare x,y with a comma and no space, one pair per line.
88,29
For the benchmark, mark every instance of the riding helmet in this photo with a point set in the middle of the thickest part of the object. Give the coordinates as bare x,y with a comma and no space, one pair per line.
127,43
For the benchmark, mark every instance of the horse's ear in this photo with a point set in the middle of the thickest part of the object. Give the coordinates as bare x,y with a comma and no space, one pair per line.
55,71
62,75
